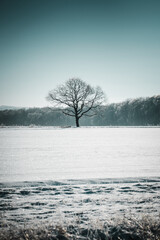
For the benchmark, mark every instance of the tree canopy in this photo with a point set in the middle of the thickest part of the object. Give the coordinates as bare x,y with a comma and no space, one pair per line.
77,98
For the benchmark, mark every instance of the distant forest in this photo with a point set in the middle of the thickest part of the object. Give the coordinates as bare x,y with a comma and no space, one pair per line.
132,112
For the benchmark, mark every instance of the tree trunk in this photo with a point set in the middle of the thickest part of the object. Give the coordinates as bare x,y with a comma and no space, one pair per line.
77,121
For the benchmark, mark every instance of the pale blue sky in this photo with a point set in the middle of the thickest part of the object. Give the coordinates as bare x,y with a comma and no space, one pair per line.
114,44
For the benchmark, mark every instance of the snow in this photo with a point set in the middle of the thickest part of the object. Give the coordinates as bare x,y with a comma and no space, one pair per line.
78,174
39,154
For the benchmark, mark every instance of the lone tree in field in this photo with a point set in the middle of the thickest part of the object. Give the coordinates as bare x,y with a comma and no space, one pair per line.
77,98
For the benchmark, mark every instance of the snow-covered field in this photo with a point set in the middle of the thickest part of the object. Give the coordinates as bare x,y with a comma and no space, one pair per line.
38,154
63,174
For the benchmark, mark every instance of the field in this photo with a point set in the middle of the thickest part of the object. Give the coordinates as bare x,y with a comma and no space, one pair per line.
86,183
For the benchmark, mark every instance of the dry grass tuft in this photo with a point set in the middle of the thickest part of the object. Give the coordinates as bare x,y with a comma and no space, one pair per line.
146,228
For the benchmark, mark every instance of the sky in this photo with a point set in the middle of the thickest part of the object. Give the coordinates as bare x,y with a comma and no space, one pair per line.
114,44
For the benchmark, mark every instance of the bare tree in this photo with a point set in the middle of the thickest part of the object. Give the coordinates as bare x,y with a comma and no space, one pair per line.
77,98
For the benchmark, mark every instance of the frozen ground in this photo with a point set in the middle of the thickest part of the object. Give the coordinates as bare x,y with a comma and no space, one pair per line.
82,201
28,154
83,175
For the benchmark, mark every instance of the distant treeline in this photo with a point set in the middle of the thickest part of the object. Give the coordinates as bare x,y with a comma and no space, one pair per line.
134,112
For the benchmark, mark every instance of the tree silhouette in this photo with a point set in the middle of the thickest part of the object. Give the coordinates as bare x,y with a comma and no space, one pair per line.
77,98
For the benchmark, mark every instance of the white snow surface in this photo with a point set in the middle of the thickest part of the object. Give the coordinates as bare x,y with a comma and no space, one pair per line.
84,175
40,154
